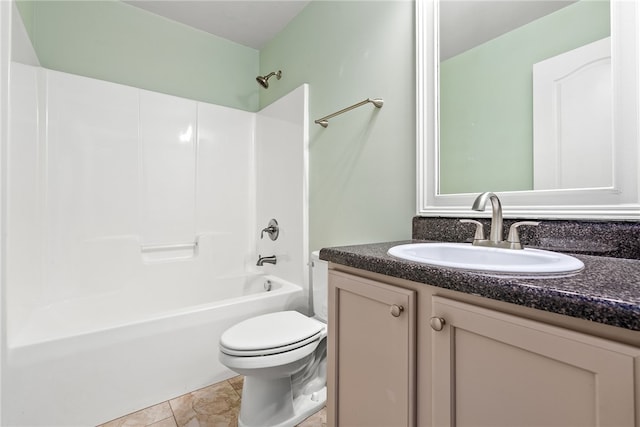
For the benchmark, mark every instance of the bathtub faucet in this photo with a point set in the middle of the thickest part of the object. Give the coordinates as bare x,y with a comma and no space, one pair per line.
268,259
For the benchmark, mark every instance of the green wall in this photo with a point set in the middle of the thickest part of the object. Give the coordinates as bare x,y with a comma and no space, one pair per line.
486,100
362,167
26,9
114,41
362,183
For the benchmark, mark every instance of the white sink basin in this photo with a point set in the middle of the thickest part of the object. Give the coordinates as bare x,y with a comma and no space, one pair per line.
479,258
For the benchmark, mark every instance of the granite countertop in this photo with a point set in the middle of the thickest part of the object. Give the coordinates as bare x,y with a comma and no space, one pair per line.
607,290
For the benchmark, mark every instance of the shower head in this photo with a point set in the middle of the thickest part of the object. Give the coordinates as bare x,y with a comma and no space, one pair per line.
264,80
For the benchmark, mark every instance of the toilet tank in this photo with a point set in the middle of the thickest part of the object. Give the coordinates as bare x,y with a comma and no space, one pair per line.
319,286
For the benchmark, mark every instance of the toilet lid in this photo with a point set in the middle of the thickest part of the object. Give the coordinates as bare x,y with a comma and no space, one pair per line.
270,331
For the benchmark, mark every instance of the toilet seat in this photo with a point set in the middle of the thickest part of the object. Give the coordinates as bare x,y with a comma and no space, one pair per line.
270,334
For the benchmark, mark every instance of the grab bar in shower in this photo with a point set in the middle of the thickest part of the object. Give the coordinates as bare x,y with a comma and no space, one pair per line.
324,122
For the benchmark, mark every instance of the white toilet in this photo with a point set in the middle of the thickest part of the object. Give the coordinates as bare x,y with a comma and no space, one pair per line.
283,357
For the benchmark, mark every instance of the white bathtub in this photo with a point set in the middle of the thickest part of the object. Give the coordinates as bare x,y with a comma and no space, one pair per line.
67,371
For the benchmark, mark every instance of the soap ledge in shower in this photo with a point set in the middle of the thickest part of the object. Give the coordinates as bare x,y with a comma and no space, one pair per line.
168,252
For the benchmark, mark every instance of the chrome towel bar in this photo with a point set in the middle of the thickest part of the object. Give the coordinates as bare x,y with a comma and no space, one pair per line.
324,122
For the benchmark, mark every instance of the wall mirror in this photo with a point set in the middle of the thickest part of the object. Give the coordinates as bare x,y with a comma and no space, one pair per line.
538,110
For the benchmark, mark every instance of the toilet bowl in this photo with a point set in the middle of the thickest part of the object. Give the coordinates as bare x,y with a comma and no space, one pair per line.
283,358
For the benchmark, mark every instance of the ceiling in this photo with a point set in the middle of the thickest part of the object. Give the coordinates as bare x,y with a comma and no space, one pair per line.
253,23
250,23
467,23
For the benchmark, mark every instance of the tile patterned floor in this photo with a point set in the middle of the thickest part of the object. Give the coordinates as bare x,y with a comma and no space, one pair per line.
213,406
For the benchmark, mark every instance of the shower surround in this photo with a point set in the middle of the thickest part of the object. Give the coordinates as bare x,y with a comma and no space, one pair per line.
133,231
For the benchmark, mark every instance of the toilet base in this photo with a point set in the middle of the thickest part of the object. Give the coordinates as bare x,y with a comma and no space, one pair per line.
270,403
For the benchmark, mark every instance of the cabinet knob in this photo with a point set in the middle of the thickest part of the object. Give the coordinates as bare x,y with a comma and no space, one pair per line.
396,310
437,323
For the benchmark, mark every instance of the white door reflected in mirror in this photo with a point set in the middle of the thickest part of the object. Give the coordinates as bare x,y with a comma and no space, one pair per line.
573,119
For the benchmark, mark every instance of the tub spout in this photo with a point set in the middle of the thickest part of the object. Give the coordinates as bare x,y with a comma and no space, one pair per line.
268,259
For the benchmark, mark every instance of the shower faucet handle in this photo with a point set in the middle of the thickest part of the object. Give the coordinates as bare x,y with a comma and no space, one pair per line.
273,230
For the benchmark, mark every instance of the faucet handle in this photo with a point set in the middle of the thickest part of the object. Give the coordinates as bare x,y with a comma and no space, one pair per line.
479,235
514,237
273,230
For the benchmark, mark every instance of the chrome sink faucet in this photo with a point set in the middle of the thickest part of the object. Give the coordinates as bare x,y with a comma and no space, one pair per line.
495,235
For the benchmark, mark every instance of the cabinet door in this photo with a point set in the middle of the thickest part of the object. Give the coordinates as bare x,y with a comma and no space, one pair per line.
371,353
493,369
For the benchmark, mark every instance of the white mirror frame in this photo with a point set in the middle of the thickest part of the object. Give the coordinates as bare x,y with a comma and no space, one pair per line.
619,202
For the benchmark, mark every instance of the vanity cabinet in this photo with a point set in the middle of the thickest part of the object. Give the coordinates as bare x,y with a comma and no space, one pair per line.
454,359
371,345
491,368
